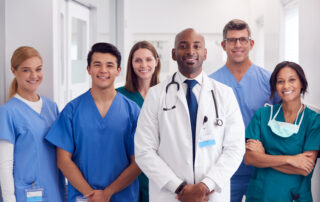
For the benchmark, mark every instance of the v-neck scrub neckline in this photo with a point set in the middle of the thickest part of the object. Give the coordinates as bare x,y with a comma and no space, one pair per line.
101,148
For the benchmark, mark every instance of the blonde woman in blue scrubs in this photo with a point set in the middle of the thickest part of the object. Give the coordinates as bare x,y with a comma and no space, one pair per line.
283,141
28,169
143,71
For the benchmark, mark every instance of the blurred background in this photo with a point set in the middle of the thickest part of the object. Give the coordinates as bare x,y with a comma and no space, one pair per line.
64,30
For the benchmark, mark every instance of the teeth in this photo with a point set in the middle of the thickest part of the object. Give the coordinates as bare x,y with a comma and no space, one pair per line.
102,77
144,71
287,92
237,52
32,82
190,60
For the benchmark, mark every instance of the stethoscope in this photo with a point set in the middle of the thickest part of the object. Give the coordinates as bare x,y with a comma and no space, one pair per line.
218,121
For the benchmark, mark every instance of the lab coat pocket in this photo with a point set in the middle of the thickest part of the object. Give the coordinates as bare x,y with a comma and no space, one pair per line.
207,137
207,140
211,133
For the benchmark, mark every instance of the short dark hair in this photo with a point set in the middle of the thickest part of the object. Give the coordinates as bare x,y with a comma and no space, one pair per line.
292,65
236,24
104,48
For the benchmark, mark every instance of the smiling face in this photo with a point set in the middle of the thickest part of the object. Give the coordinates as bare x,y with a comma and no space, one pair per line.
288,85
103,70
144,63
237,52
189,52
29,75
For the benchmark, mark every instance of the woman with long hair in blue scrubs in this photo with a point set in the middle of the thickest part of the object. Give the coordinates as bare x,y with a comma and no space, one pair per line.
143,71
28,170
283,141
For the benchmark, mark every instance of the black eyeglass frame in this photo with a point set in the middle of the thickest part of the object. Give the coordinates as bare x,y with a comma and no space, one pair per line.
242,40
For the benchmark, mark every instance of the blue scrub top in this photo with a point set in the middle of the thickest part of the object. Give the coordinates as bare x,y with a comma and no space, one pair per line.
267,184
34,157
100,147
252,92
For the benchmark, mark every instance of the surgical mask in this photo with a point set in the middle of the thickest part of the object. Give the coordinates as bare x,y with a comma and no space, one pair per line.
284,129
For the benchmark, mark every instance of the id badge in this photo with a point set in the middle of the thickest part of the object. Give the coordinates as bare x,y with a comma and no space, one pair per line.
206,136
207,142
34,195
81,199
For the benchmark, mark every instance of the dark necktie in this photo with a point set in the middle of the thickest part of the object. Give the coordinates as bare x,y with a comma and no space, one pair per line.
193,108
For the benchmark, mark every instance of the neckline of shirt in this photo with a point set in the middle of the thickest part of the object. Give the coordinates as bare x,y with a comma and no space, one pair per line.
182,78
36,106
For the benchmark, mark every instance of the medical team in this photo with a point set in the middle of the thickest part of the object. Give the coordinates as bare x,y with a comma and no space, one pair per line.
189,139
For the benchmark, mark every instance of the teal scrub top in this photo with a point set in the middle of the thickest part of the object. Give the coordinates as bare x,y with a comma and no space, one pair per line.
143,180
267,184
252,92
136,97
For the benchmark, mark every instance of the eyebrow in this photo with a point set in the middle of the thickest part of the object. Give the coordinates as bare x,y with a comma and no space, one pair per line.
30,67
286,77
99,62
111,63
192,42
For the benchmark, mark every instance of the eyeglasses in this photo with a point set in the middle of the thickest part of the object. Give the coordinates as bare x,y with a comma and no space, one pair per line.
242,40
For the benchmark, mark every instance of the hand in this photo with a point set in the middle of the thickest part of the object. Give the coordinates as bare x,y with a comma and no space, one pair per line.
98,196
255,145
302,161
194,193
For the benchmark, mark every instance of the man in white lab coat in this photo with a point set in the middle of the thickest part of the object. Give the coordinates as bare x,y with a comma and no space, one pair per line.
190,137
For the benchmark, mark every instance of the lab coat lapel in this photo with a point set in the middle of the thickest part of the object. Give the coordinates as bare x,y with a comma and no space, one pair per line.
182,100
205,101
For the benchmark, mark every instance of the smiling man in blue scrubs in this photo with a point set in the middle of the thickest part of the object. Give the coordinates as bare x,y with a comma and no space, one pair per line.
94,135
250,84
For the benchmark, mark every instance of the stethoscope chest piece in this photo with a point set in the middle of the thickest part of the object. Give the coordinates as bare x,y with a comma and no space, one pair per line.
219,122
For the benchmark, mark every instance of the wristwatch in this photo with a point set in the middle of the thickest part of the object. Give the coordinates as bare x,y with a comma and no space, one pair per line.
178,190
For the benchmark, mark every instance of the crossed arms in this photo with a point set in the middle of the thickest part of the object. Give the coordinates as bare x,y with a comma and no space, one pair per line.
300,164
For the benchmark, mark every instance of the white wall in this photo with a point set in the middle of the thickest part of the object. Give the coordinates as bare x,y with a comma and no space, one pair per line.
167,16
272,25
162,20
30,23
103,26
256,23
2,52
309,49
309,55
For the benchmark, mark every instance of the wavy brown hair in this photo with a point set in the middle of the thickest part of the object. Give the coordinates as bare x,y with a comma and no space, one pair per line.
132,84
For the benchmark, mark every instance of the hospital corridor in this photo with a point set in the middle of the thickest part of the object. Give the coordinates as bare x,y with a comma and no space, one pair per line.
121,68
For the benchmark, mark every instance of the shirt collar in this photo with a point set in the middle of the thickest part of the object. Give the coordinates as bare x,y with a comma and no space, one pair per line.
198,78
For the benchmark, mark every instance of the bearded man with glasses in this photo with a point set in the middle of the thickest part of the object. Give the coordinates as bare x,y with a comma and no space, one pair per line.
250,84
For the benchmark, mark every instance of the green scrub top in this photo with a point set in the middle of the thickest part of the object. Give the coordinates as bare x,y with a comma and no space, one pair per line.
268,184
143,180
136,97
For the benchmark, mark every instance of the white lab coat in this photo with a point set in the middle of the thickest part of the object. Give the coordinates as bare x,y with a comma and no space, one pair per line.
163,140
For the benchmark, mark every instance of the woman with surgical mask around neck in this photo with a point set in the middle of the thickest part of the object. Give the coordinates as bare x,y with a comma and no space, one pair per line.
28,169
283,141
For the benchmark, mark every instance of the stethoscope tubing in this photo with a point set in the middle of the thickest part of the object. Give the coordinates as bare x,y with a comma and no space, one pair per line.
218,122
